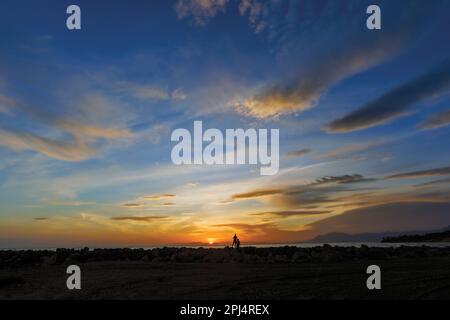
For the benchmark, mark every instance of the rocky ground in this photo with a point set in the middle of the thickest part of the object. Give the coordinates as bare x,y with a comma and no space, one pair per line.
252,273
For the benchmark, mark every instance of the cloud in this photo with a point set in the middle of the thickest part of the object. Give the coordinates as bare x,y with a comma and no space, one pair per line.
318,194
37,45
304,90
60,150
74,127
265,233
286,214
433,183
397,102
140,219
178,94
256,194
345,179
132,205
423,173
149,91
79,149
352,149
299,153
154,133
201,11
71,203
159,196
78,129
245,226
255,11
293,198
439,120
338,48
41,218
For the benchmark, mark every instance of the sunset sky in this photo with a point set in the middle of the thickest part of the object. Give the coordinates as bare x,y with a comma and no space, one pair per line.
86,118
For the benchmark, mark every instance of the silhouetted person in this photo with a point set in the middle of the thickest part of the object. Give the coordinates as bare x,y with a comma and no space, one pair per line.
238,243
235,240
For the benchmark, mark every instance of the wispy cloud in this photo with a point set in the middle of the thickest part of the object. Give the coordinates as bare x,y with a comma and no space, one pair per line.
423,173
305,199
245,226
304,91
298,189
439,120
311,73
256,11
433,183
286,214
345,179
256,194
66,203
396,103
201,11
299,153
132,205
74,127
77,128
149,91
37,45
351,150
79,149
262,232
139,218
61,150
41,218
159,196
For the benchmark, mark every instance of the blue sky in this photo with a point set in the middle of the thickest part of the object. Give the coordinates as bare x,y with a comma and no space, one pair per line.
86,117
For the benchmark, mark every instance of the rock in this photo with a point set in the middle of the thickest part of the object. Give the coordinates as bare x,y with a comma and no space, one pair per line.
48,260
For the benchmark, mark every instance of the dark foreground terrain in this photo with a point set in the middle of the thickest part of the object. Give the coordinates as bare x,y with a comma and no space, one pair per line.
253,273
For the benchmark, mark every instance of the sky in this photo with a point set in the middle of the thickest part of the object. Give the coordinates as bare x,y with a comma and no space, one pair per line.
86,118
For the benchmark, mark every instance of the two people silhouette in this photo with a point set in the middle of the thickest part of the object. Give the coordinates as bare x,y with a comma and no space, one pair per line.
236,242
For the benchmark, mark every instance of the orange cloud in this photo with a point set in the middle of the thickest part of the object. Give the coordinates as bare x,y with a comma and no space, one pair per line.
137,218
159,196
256,194
132,205
292,213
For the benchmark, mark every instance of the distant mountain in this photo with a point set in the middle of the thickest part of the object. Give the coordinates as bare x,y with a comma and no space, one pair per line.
443,236
376,222
335,237
344,237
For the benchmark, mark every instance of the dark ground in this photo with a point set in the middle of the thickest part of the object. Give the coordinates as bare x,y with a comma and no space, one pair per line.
319,273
